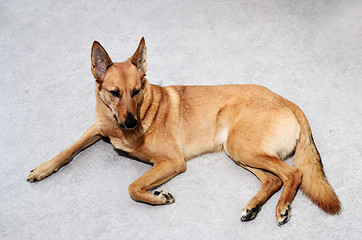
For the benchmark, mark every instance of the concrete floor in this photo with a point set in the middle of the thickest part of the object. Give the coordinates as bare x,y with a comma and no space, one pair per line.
307,51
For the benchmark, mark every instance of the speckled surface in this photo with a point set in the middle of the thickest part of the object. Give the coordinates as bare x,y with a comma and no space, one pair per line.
307,51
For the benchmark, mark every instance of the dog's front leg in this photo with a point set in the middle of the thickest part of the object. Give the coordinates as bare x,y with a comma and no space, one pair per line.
90,136
162,171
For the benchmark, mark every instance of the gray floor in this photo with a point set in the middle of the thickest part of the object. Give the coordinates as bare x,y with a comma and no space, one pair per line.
308,51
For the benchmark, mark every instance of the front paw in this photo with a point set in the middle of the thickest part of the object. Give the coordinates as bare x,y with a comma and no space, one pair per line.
165,196
41,172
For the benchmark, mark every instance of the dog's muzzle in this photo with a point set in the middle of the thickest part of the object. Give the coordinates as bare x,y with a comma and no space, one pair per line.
130,122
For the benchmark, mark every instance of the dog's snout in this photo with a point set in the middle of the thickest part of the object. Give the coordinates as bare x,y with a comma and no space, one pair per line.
131,121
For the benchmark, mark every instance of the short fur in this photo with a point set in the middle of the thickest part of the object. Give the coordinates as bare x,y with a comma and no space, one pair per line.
165,126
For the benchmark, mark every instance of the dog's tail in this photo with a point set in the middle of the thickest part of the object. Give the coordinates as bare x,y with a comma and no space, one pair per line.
314,184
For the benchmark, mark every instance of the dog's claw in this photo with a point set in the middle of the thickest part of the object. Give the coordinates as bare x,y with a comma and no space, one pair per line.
166,195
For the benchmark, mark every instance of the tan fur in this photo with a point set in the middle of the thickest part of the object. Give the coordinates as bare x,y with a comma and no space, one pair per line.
307,159
166,126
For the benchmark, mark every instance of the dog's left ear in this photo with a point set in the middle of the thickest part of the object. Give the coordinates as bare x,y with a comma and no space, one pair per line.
139,57
100,61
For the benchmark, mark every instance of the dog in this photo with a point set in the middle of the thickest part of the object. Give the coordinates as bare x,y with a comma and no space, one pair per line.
166,126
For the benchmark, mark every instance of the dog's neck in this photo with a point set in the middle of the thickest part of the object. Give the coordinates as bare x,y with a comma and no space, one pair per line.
147,109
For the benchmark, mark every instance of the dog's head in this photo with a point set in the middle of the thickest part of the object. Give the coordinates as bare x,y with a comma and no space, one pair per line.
120,85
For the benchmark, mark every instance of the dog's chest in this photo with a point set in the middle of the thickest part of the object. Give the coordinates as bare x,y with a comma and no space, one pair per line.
121,145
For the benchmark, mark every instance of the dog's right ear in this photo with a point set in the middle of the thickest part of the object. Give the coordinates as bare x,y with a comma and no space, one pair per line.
100,61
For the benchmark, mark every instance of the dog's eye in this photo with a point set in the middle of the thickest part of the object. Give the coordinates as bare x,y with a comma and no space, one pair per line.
115,93
135,92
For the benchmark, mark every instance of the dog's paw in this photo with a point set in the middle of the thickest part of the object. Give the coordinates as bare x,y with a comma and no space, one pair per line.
249,213
165,195
283,216
41,172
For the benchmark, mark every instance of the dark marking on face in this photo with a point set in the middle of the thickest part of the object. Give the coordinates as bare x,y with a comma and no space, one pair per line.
115,117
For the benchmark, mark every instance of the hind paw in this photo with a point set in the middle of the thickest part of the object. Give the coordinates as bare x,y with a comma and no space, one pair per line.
250,213
283,216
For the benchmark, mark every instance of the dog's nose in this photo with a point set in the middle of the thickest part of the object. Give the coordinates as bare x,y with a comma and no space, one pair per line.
130,121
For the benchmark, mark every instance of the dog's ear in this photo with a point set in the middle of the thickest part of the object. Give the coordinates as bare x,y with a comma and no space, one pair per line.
139,57
100,61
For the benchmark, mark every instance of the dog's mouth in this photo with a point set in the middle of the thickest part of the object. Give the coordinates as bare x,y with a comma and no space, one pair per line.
124,126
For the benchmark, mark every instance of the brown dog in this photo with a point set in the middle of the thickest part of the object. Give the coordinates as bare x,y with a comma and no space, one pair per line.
166,126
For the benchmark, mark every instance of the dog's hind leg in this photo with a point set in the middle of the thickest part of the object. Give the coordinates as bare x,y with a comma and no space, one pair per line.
262,134
290,176
162,171
91,136
269,185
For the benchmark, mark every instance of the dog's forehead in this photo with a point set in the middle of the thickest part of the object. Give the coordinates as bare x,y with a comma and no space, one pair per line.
122,74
